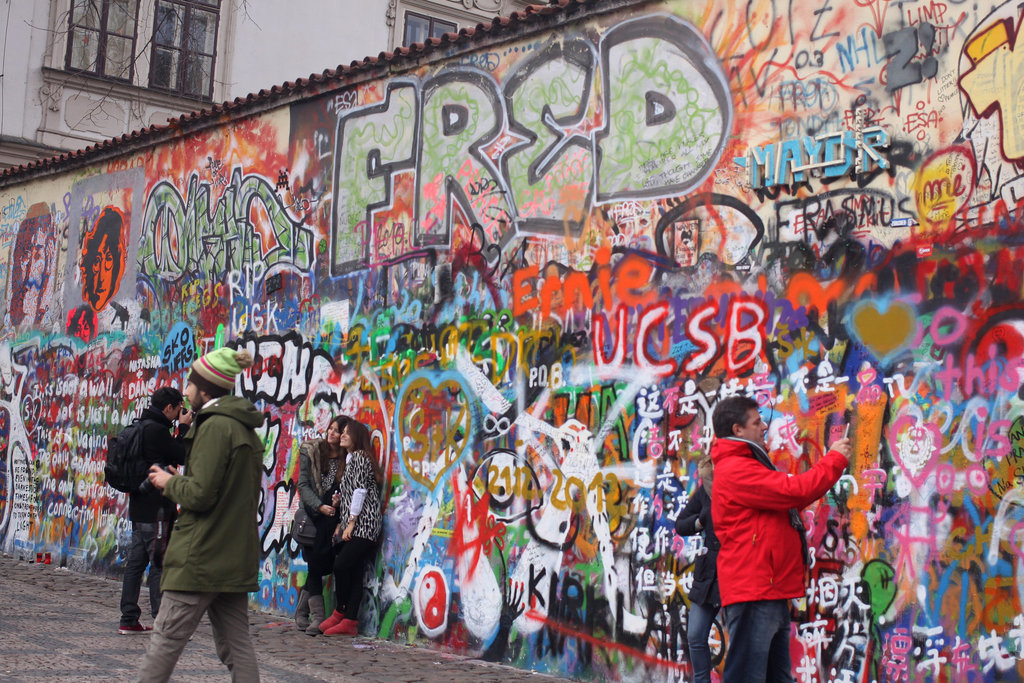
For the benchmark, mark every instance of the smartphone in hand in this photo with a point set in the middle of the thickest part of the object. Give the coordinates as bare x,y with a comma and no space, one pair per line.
837,433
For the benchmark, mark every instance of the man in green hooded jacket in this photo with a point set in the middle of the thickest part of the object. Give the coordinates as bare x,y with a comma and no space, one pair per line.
212,560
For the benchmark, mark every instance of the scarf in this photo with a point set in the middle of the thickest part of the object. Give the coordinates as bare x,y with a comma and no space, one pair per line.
794,515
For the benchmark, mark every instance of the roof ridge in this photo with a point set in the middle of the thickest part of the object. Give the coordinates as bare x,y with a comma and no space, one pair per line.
212,111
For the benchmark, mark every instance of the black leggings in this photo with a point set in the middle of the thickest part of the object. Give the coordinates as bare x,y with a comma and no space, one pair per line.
320,562
349,563
319,556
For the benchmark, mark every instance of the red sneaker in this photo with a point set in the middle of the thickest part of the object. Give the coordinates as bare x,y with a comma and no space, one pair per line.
136,628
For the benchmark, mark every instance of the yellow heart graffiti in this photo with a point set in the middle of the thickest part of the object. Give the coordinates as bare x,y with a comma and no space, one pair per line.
884,332
435,425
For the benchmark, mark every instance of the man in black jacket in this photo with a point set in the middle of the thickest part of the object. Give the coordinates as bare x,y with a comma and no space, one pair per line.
151,514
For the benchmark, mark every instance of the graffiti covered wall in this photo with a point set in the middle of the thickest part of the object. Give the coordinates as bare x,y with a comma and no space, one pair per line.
533,266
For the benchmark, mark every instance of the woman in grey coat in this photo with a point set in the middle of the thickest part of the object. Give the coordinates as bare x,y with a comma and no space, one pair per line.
321,468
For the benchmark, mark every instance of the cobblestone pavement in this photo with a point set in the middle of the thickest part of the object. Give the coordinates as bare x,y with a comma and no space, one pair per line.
57,625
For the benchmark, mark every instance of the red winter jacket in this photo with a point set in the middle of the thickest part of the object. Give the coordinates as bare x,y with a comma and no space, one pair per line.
760,556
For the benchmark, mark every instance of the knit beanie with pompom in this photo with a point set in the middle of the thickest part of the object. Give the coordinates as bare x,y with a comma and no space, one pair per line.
217,369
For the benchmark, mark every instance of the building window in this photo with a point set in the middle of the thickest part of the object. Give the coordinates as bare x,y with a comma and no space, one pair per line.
102,37
419,27
184,46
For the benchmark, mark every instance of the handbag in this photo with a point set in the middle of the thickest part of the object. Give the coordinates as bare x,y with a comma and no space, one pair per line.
303,528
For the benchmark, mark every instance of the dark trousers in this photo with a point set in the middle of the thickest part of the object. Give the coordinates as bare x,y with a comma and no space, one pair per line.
349,564
758,642
140,555
229,619
320,561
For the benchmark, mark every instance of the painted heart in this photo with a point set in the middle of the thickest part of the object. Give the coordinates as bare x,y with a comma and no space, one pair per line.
434,425
885,331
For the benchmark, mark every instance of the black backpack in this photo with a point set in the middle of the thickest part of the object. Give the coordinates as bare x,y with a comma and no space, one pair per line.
125,469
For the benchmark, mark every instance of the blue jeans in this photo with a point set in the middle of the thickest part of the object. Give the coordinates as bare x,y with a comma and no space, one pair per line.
758,642
140,554
698,627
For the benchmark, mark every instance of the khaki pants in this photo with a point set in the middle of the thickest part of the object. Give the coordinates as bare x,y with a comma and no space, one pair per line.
179,616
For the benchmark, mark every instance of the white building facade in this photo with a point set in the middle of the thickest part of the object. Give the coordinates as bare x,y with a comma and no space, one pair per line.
76,72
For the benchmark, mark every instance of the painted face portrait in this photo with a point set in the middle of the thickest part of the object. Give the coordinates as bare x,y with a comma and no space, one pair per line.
31,259
102,259
82,323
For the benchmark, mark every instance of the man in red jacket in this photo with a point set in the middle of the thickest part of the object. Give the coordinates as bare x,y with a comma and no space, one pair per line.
763,555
